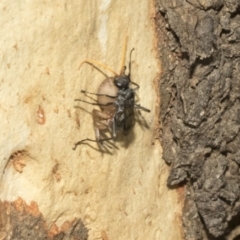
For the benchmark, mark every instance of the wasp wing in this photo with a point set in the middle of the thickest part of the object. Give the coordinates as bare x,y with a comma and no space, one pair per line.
129,115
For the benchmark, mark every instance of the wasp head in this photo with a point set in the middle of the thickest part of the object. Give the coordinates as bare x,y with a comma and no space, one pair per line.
122,82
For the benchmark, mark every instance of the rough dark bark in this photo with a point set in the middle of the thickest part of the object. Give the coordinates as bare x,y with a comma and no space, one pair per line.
20,221
200,110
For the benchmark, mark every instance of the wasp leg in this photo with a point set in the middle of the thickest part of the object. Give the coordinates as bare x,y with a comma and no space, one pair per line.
90,140
82,141
141,108
137,86
98,94
114,128
93,62
101,122
98,104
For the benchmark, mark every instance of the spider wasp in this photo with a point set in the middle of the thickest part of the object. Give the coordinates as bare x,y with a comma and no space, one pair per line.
116,99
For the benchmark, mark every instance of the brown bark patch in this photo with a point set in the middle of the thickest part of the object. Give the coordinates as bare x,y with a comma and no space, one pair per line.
22,221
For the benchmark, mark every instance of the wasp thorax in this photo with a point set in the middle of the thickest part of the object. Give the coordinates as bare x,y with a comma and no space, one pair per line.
122,82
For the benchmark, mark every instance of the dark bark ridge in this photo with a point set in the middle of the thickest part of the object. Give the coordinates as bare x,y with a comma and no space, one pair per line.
200,110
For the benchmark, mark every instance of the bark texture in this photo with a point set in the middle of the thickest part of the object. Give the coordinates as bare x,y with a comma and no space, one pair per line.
200,110
20,221
118,195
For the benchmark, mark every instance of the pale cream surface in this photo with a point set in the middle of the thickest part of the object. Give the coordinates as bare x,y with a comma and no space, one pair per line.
42,44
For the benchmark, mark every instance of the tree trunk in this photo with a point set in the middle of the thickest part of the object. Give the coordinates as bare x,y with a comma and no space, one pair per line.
186,49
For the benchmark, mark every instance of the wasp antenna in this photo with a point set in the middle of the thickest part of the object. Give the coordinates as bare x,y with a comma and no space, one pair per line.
123,55
96,63
130,62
